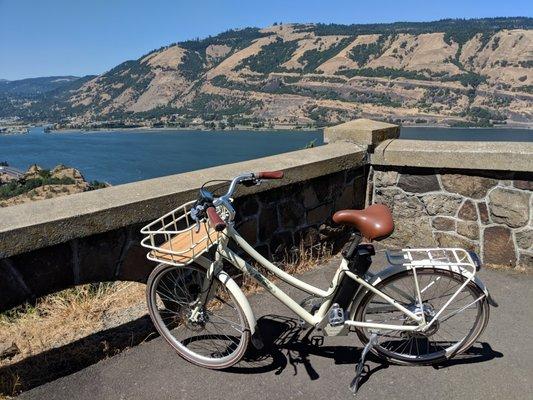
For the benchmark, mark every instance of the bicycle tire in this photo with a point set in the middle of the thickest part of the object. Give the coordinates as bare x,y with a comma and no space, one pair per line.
464,344
184,347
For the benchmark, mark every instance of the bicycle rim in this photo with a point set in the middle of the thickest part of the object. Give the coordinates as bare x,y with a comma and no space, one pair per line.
454,331
213,336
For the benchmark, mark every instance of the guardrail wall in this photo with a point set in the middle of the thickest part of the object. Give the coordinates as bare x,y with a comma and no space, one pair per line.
50,245
474,195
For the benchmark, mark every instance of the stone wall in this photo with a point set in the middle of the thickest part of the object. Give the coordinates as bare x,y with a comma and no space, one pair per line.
276,221
489,212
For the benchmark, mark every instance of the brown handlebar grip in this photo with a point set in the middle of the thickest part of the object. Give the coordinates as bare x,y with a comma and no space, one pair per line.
215,220
269,175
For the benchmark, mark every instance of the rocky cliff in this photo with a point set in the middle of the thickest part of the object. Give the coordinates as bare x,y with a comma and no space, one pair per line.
38,183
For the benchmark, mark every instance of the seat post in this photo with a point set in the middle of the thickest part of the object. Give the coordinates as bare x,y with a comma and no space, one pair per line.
349,251
359,258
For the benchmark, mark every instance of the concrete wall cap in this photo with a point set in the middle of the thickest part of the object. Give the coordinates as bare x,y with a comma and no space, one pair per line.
494,156
44,223
362,131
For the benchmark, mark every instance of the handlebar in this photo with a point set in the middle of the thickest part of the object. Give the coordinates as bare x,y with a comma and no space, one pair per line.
269,175
249,177
215,220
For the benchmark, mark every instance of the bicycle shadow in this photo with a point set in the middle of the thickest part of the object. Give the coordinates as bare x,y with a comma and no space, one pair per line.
288,345
479,352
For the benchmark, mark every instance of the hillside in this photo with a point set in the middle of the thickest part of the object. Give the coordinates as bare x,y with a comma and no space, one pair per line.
35,86
38,99
454,72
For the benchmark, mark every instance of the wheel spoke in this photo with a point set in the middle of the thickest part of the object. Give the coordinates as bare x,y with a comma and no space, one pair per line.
449,332
214,333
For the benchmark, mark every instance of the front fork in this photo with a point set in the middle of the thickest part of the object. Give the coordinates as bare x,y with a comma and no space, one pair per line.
209,285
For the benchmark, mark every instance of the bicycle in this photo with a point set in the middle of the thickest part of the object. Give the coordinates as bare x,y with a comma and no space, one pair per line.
426,307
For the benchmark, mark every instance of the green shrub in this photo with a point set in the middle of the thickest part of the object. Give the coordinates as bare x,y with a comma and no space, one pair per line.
495,43
467,79
237,38
524,64
313,58
382,72
483,113
192,65
222,81
310,145
270,57
362,52
213,107
16,188
461,30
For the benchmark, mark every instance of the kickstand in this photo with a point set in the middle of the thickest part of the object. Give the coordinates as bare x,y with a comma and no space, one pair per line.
354,386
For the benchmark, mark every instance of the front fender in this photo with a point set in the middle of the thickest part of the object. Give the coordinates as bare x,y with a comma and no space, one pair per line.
239,296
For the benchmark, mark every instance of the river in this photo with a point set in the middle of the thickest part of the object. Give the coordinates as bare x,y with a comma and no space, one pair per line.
127,156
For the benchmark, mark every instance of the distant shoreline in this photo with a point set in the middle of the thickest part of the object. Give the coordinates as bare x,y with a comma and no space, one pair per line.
162,129
288,128
249,128
438,126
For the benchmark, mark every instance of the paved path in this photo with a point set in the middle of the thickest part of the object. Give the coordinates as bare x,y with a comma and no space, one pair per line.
499,367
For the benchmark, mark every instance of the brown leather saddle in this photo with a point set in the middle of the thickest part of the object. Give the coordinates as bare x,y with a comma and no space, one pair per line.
374,222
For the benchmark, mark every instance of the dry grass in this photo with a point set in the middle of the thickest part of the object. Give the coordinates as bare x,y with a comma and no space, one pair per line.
62,318
306,259
519,268
66,316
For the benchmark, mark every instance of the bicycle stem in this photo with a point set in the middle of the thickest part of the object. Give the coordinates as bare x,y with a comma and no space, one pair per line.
232,187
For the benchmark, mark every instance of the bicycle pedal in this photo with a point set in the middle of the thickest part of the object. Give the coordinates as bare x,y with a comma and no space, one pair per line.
336,315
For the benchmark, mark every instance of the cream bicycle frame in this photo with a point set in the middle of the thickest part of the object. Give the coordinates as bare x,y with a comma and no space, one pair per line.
462,264
319,318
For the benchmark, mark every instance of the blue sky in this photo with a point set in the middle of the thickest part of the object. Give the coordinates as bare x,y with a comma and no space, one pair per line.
75,37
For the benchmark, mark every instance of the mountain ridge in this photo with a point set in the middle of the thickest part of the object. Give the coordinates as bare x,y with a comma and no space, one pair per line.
34,86
469,72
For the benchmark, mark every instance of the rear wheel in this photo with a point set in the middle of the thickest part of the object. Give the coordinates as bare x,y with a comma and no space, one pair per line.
214,335
455,330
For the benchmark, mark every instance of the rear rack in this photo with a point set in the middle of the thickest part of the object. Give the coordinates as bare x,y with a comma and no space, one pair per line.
453,258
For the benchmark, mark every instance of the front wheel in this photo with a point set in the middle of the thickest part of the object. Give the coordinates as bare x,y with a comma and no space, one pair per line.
453,332
214,335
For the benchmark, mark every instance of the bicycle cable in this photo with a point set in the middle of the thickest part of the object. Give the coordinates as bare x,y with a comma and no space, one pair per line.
225,182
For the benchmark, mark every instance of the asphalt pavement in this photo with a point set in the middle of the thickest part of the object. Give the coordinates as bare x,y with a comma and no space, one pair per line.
499,366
